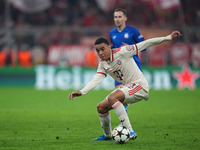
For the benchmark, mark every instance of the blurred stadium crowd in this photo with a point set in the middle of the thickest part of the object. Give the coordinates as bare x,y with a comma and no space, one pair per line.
27,38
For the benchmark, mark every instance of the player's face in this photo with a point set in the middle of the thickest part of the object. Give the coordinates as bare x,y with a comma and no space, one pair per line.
103,51
119,19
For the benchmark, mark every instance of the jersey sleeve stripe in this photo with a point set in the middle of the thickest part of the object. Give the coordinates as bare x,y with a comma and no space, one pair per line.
103,73
112,56
136,48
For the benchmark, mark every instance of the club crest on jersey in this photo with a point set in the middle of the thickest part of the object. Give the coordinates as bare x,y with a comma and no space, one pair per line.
126,35
114,37
129,47
119,62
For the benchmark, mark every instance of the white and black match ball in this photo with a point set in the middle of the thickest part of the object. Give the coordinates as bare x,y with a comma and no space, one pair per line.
121,134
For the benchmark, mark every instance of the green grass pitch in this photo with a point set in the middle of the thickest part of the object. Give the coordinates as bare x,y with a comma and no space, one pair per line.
34,119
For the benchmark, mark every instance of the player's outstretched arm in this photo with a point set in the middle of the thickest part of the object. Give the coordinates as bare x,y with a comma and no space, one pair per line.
74,94
91,85
154,41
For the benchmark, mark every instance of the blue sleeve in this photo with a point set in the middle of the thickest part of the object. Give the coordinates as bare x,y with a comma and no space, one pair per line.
138,37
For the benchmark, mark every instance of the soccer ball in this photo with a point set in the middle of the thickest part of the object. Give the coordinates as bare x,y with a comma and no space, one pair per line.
121,134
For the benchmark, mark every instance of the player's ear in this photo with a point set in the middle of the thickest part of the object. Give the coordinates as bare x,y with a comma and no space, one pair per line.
125,18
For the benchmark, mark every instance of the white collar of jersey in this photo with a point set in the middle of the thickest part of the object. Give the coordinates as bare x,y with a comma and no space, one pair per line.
120,30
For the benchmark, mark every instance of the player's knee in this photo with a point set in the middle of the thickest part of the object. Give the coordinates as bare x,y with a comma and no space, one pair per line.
100,109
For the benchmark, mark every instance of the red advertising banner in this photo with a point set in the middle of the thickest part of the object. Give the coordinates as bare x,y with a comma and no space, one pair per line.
67,55
195,55
179,54
157,55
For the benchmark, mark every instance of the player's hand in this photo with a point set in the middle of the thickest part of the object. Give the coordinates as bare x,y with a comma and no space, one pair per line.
175,34
74,94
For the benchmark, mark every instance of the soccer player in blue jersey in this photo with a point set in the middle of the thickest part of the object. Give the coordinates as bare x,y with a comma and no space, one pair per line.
124,34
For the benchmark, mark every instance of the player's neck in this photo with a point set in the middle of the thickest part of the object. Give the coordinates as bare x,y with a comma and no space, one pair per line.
120,28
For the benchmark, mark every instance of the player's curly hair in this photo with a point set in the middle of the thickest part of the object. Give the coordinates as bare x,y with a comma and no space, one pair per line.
101,40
